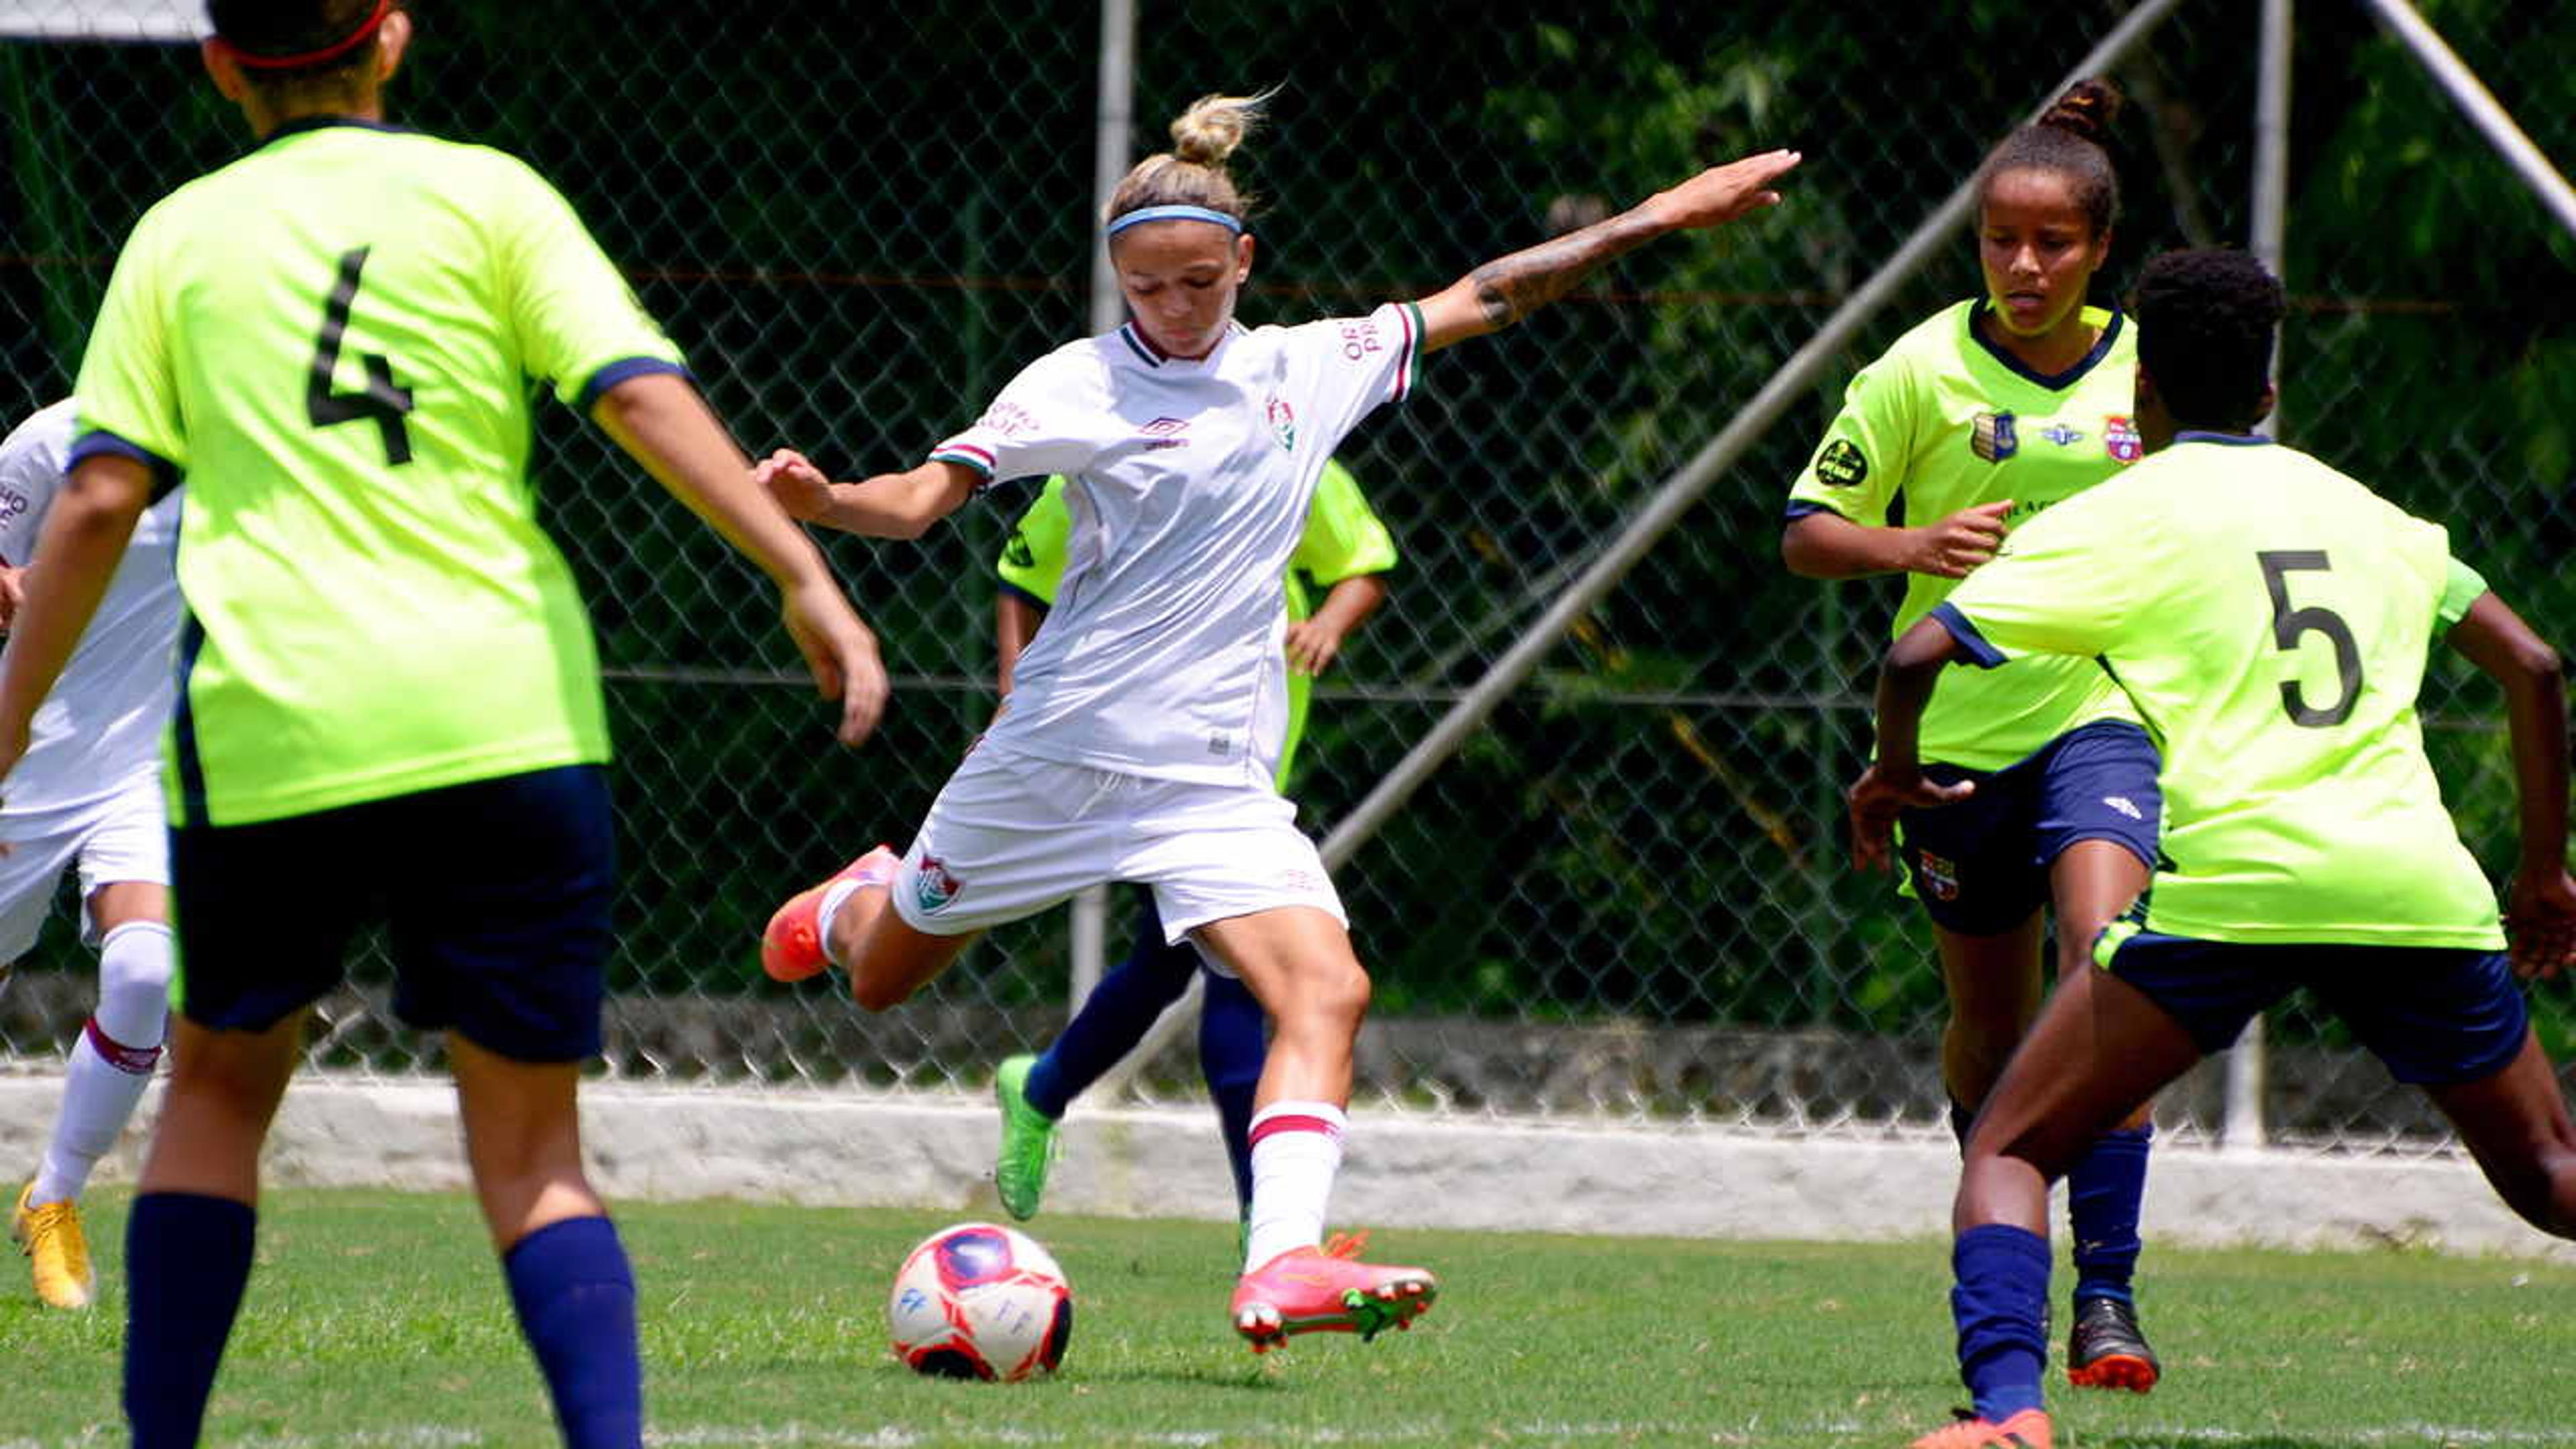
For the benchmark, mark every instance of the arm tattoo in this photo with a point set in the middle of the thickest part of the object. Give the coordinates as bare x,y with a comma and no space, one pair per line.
1510,288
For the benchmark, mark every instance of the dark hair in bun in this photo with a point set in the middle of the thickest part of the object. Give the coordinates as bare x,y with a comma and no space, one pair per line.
2069,140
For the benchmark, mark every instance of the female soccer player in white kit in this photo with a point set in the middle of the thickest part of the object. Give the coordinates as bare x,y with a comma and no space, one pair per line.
88,793
1194,446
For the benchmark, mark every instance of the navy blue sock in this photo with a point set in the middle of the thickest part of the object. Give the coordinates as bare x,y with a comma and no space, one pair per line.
1232,1050
576,1302
1120,1010
187,1257
2102,1197
2000,1302
1963,1120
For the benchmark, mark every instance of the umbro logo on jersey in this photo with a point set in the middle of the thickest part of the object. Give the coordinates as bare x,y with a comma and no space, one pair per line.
2125,806
2064,436
1992,437
1166,433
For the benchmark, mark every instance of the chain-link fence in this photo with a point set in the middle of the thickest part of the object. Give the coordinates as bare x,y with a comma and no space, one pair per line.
1627,894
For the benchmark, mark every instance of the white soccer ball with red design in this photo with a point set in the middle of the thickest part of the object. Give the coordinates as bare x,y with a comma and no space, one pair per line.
980,1301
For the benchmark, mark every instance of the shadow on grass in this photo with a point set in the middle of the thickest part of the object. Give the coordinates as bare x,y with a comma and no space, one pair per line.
2216,1441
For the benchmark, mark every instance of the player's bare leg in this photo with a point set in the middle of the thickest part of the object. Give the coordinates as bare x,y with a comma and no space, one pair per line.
2099,1048
887,959
568,1274
1994,988
2515,1123
224,1090
2092,883
522,1140
1297,961
189,1240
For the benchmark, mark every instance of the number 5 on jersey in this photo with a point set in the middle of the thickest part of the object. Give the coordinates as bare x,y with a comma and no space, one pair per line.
2288,625
380,400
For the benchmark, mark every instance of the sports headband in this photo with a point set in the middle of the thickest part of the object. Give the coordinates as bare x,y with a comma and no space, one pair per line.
1144,214
338,48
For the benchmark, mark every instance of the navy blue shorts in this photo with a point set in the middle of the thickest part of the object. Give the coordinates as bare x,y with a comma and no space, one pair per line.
497,894
1980,867
2437,1016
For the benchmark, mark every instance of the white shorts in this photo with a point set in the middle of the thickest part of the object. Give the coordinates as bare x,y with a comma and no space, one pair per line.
1010,836
121,837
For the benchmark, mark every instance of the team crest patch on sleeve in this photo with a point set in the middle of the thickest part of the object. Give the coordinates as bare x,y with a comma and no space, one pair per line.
1992,437
1841,464
1937,875
2120,439
935,887
1283,423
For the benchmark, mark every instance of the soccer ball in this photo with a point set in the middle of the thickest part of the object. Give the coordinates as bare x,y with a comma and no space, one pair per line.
980,1301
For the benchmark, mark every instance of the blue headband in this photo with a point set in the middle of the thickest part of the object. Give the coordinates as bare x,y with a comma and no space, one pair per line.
1144,214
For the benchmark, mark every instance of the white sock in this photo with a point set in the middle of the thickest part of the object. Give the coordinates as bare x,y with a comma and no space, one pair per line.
113,1060
1296,1150
833,900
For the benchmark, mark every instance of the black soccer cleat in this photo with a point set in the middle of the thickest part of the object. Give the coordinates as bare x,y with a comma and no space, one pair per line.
2107,1350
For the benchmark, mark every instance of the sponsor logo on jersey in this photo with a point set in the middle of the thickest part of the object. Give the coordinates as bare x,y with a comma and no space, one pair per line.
1939,876
1283,423
1841,465
1008,419
2063,436
1166,433
2120,439
934,886
2125,806
1992,437
12,502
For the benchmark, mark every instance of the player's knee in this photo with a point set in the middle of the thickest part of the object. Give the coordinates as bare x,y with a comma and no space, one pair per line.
134,964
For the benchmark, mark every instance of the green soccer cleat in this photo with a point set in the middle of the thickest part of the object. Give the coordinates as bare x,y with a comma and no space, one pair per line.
1028,1141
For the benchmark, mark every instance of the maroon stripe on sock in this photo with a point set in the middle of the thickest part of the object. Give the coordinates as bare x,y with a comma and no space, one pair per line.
1288,1122
138,1060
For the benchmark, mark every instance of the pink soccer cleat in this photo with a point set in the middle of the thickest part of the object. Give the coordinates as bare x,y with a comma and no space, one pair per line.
791,949
1328,1290
2025,1430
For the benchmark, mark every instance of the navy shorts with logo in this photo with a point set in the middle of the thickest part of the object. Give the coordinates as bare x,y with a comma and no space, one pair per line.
497,894
1980,866
2437,1016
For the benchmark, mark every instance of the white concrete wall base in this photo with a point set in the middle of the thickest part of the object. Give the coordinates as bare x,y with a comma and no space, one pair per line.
936,1152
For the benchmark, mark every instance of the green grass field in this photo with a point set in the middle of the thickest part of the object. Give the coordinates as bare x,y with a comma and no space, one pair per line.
380,1319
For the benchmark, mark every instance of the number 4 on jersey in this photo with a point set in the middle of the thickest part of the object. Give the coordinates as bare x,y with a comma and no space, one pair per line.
380,400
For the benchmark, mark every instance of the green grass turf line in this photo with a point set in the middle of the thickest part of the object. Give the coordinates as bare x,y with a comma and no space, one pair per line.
380,1319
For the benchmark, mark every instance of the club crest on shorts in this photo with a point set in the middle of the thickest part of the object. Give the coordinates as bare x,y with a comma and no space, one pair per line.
2120,439
934,887
1993,438
1938,876
1283,423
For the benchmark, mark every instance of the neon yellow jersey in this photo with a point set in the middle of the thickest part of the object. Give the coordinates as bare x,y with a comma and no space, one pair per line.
2270,618
1344,538
332,339
1945,421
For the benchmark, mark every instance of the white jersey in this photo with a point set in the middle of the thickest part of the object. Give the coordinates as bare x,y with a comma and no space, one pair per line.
100,729
1190,481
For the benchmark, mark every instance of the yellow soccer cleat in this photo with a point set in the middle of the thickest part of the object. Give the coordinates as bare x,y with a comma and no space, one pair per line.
51,1237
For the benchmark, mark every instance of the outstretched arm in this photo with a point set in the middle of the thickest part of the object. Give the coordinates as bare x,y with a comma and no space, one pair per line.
889,505
662,422
1502,292
1894,781
2540,906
